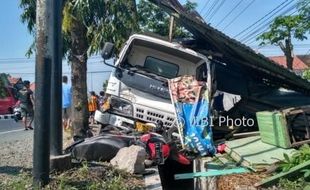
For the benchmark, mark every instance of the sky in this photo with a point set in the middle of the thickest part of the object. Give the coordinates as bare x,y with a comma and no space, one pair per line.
15,39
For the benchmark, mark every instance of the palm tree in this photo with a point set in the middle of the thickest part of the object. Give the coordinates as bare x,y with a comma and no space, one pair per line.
87,24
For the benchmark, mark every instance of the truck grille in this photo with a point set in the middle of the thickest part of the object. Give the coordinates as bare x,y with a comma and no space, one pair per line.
153,115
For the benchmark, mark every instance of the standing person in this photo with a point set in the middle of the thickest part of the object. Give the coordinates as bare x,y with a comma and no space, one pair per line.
25,96
66,102
92,106
101,99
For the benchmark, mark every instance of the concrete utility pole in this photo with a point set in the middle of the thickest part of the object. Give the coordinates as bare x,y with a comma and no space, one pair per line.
56,86
44,53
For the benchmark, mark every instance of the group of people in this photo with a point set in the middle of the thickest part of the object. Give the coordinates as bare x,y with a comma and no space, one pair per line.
26,103
95,102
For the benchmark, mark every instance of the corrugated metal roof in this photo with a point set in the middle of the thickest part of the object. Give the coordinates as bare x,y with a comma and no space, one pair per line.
233,51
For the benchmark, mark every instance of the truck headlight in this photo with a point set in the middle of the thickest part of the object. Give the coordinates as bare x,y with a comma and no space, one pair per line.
121,106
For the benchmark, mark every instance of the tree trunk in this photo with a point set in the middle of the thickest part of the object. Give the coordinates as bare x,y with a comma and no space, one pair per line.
78,60
288,53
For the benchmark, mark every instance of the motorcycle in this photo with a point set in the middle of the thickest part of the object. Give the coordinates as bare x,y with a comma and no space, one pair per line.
17,112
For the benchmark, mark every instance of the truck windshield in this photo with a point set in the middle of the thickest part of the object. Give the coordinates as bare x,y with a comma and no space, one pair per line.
160,67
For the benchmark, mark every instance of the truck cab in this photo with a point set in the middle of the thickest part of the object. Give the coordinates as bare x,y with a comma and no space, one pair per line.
138,86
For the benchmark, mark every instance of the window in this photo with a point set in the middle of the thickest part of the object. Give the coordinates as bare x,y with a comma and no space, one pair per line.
202,72
161,68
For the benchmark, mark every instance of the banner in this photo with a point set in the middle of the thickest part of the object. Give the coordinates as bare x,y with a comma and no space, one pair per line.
191,101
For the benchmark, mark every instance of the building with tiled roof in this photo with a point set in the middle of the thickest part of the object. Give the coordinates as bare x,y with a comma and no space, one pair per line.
298,64
13,80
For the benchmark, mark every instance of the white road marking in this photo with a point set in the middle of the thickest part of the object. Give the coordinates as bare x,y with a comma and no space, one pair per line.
7,116
6,132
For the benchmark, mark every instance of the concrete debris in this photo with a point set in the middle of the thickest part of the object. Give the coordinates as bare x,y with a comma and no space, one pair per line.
130,159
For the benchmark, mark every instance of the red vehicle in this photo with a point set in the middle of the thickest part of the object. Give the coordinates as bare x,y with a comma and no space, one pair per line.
8,102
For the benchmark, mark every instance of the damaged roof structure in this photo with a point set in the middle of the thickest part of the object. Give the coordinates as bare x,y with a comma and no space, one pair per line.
239,69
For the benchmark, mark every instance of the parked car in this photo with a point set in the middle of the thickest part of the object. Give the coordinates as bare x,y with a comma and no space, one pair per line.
8,102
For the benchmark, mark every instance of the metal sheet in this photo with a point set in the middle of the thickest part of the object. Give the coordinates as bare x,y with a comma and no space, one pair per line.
256,65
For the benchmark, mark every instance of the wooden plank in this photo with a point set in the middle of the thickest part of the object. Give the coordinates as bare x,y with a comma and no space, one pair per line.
248,134
210,173
252,153
275,179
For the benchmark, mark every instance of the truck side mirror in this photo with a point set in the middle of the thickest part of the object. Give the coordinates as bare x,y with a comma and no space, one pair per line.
107,50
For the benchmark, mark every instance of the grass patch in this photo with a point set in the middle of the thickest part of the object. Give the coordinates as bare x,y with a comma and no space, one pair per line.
86,177
299,184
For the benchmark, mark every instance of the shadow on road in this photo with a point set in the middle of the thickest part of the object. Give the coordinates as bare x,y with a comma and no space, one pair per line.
12,170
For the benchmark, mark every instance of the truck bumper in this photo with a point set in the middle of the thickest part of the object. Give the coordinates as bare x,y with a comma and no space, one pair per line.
113,119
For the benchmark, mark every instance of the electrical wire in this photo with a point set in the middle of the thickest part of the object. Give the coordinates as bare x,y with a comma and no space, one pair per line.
217,9
266,22
261,30
234,19
236,6
247,28
210,9
205,6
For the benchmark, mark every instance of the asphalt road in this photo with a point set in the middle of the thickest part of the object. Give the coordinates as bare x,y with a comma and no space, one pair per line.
11,131
9,125
16,148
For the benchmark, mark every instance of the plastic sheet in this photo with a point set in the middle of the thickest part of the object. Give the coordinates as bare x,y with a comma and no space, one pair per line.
191,100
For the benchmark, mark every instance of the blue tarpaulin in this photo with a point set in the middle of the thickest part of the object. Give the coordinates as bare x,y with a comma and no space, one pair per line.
191,100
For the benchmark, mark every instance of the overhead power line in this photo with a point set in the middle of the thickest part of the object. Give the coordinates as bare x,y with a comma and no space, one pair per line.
268,20
261,30
27,60
235,18
32,73
235,7
210,9
252,25
217,9
205,6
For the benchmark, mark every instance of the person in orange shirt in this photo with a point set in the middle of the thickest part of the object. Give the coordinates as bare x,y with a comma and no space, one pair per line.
92,106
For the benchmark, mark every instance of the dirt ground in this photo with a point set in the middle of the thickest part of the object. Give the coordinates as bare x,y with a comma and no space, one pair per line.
239,181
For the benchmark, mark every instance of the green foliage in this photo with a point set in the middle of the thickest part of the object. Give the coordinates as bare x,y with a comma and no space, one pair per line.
284,27
299,157
3,83
306,74
299,184
304,12
29,14
154,19
20,182
100,177
2,89
104,21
